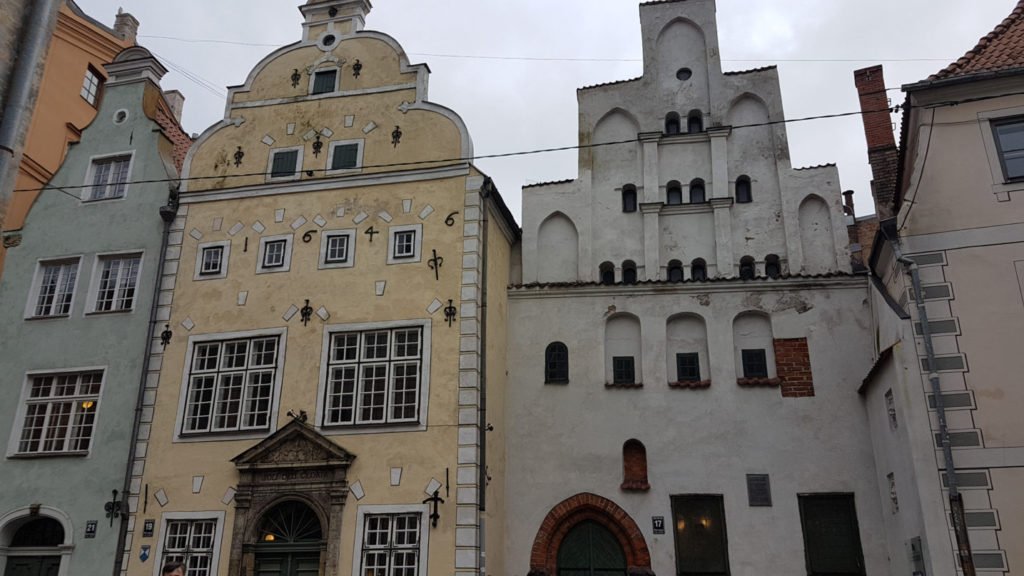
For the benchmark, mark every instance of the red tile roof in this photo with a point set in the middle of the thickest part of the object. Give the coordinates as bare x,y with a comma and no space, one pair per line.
1000,49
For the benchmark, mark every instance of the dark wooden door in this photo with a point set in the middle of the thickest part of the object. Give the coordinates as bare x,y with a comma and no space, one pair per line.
590,550
287,564
32,566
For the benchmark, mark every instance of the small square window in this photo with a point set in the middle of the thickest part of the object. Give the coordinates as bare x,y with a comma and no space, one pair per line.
1010,143
688,367
108,177
337,249
623,370
91,85
275,254
755,363
324,81
213,260
284,163
404,244
345,156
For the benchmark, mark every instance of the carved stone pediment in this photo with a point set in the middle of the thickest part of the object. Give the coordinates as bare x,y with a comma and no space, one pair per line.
296,445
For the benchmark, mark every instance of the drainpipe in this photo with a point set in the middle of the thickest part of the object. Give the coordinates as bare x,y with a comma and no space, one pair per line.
485,192
18,109
956,503
167,215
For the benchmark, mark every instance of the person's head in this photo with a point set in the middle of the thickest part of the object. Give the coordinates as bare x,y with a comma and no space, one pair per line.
173,569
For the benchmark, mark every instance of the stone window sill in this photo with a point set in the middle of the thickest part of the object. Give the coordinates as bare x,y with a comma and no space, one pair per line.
753,382
690,385
635,486
631,385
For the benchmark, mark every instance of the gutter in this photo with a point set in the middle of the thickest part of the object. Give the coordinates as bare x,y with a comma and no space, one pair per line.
167,214
485,194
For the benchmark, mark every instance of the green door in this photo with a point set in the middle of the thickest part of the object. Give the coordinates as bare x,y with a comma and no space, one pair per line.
590,550
32,566
287,564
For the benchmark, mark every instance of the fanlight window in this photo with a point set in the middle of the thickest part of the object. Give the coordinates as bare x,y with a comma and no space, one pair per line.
290,522
38,533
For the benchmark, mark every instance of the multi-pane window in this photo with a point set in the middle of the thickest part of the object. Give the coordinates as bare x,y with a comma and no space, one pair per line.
755,363
60,412
391,545
1010,143
91,86
284,163
324,81
699,525
405,244
623,371
109,177
119,276
231,385
212,261
56,288
374,376
831,536
344,156
337,249
687,367
273,253
556,363
191,543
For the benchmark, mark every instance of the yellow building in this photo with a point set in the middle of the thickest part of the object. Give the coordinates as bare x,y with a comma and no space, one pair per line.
322,371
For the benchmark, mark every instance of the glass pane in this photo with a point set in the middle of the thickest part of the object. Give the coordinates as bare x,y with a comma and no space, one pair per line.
345,156
700,535
284,164
1011,136
323,82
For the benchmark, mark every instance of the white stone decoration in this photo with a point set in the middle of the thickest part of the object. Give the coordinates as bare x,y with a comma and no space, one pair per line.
290,129
384,215
339,212
309,135
188,324
242,297
217,224
432,486
396,476
161,497
404,107
195,233
319,221
298,222
357,490
268,140
327,132
236,228
229,496
323,313
290,312
360,218
349,121
434,306
406,206
279,215
380,285
258,227
369,127
427,211
197,484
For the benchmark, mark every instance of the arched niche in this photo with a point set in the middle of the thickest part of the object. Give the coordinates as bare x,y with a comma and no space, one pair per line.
620,163
634,466
623,357
686,347
557,250
750,111
754,346
817,242
681,44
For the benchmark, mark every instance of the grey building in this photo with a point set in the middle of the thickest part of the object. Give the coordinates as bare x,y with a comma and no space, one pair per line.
76,318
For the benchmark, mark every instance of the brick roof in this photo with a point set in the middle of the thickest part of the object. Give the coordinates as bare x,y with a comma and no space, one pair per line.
1000,49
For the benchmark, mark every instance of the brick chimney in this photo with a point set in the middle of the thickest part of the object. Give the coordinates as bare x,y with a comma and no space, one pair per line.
126,26
176,100
882,152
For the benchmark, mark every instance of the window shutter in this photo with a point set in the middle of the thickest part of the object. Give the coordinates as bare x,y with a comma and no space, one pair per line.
284,163
323,82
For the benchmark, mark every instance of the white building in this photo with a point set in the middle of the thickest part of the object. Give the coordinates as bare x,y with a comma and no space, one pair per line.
687,339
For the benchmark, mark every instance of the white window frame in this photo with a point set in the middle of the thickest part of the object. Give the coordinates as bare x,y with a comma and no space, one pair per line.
350,233
87,189
424,386
19,418
337,78
1000,185
94,282
417,245
92,96
298,164
275,398
359,156
225,255
286,265
370,510
218,536
37,280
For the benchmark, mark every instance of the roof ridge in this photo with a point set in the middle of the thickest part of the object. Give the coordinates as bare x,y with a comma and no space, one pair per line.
986,55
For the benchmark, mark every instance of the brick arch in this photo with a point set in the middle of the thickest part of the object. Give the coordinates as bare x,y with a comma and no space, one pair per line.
582,508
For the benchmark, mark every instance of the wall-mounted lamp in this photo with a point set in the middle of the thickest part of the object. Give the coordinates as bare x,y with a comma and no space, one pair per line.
435,500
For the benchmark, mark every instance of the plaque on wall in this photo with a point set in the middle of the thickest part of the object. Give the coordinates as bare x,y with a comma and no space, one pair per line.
147,528
90,529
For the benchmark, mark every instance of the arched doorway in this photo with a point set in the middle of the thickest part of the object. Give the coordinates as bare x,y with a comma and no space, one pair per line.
590,550
34,548
291,540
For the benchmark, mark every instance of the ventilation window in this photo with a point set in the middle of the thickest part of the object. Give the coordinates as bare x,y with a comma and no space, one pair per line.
672,123
328,40
695,122
772,268
556,364
744,194
607,273
699,269
629,198
675,271
675,193
324,81
747,269
697,195
684,74
629,272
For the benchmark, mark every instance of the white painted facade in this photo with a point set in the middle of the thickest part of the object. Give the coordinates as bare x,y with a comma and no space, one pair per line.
567,439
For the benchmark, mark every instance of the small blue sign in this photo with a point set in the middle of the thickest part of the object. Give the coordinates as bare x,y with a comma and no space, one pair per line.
144,553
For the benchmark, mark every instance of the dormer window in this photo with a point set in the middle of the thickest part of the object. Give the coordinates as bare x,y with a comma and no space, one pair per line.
325,81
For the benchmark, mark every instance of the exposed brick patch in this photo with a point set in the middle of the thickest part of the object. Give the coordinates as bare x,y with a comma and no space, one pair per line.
751,382
586,507
634,467
690,385
793,365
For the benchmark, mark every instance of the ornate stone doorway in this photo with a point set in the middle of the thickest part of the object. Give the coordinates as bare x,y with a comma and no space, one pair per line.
289,504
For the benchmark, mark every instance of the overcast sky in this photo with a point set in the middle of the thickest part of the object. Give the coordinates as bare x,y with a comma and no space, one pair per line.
520,104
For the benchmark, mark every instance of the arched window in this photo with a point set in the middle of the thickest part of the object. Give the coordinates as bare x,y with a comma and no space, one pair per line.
772,267
747,269
629,198
672,123
695,122
699,269
629,272
607,273
744,193
675,193
675,271
38,533
634,466
697,195
556,364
